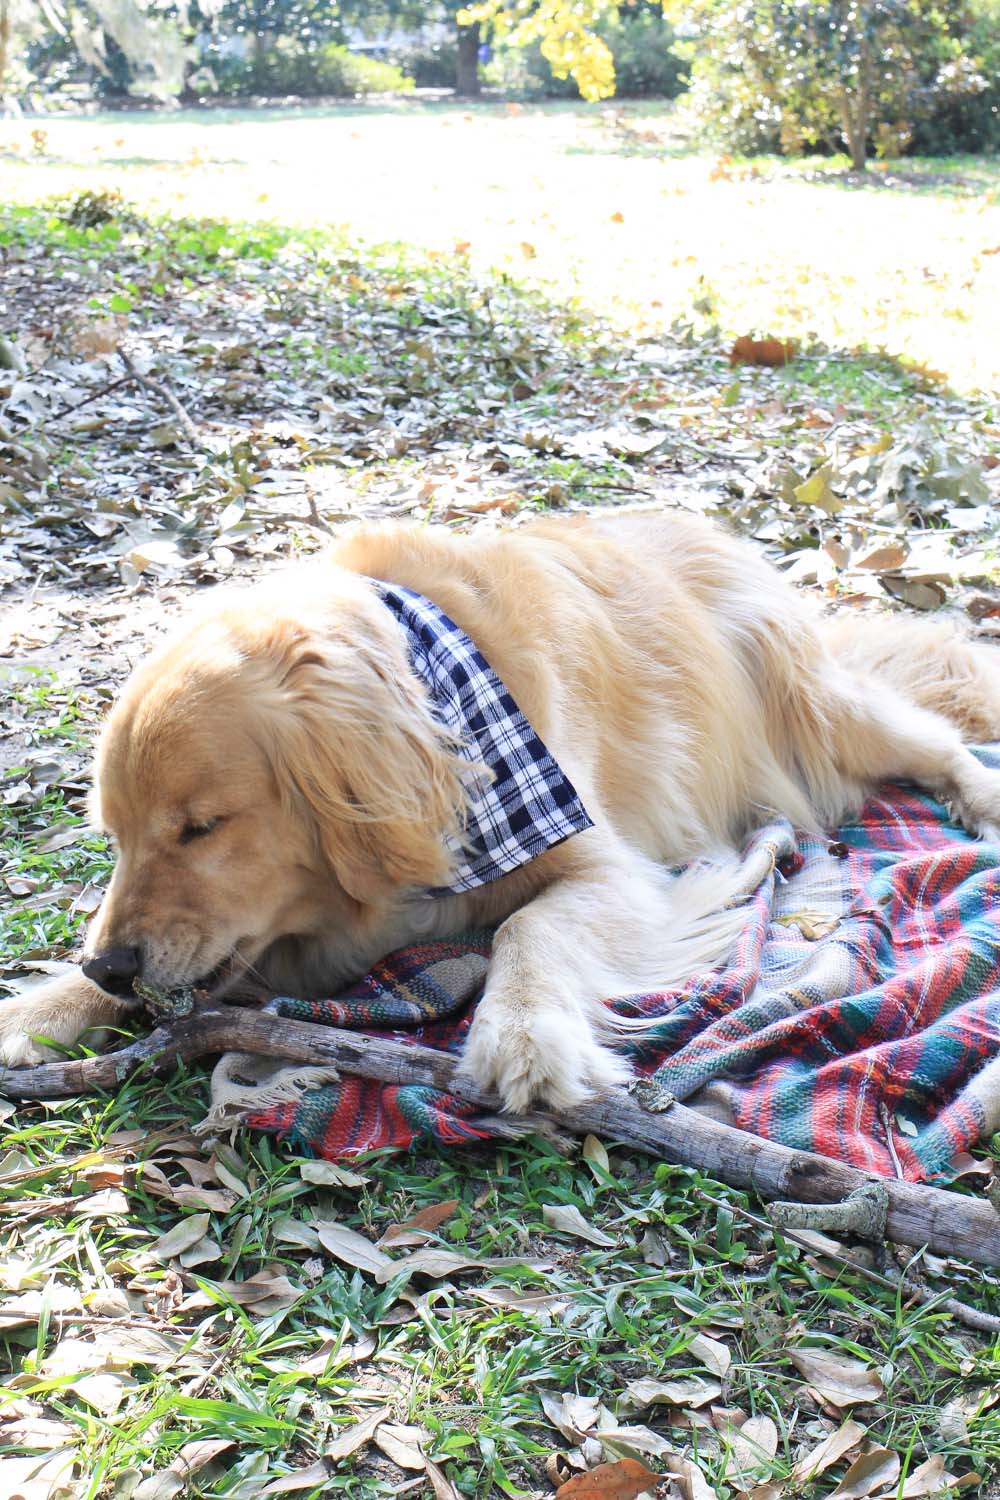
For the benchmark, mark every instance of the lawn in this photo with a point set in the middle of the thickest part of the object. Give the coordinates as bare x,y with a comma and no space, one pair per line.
601,203
369,313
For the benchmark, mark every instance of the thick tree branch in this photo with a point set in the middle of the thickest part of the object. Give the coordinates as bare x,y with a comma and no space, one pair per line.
947,1223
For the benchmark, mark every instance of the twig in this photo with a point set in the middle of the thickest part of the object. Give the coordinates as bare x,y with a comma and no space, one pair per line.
886,1118
947,1223
313,518
162,389
972,1317
72,406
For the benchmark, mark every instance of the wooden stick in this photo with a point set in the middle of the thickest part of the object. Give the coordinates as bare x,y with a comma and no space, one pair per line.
947,1223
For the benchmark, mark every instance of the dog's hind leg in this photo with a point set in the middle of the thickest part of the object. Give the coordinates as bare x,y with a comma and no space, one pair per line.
874,734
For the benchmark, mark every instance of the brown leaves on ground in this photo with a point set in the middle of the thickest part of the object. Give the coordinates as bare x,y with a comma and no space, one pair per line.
401,1443
875,1470
623,1480
769,352
837,1379
828,1452
420,1227
567,1218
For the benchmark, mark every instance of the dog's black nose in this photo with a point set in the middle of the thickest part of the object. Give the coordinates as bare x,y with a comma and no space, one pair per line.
114,970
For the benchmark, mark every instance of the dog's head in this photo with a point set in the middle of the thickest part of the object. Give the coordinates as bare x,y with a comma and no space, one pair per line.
274,772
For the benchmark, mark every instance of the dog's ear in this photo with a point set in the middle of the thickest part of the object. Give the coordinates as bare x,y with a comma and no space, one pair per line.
353,743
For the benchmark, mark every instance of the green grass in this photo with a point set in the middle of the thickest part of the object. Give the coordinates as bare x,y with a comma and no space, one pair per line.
606,204
468,1373
48,860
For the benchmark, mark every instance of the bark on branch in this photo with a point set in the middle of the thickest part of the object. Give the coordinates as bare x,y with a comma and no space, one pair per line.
947,1223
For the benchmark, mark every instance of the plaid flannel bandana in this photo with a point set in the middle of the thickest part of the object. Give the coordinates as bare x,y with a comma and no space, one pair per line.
529,805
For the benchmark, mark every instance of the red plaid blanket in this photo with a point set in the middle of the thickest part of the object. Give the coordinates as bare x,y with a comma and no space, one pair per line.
859,1017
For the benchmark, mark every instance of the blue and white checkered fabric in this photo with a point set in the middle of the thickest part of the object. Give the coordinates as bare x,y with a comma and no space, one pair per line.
529,806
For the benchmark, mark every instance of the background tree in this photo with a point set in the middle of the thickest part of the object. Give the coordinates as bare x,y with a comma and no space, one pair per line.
843,73
142,41
786,74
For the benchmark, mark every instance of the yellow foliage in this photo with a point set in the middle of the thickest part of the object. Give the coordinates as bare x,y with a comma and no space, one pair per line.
564,28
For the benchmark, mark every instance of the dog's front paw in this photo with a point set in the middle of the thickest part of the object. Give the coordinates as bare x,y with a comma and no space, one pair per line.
59,1011
20,1024
537,1056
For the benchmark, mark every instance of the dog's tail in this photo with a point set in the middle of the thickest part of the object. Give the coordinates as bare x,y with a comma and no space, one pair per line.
694,921
933,663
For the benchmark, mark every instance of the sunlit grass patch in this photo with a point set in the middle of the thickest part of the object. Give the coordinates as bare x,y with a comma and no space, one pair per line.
901,259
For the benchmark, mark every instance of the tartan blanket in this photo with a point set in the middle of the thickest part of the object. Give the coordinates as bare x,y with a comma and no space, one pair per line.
859,1016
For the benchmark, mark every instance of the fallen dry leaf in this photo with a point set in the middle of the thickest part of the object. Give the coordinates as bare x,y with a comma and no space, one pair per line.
595,1152
568,1218
352,1438
202,1252
526,1302
263,1293
832,1448
22,1311
37,1433
929,1478
874,1470
182,1236
623,1480
420,1226
506,504
440,1483
919,593
837,1379
559,1467
632,1442
341,1354
693,1481
401,1444
570,1414
715,1356
750,1449
174,1479
352,1248
156,1182
435,1262
686,1390
300,1479
35,1478
816,490
813,925
771,352
330,1174
963,1164
194,1456
882,559
655,1249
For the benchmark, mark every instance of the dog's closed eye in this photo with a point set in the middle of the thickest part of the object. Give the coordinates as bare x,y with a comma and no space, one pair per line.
201,830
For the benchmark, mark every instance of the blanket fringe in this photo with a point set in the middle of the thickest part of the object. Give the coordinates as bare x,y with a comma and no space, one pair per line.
243,1085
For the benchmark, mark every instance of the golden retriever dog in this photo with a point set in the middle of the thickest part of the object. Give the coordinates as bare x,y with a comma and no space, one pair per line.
286,806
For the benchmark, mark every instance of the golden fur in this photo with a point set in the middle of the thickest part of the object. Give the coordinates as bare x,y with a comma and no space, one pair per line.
280,794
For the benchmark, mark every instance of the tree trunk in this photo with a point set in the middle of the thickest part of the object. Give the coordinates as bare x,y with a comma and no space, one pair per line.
855,112
467,75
